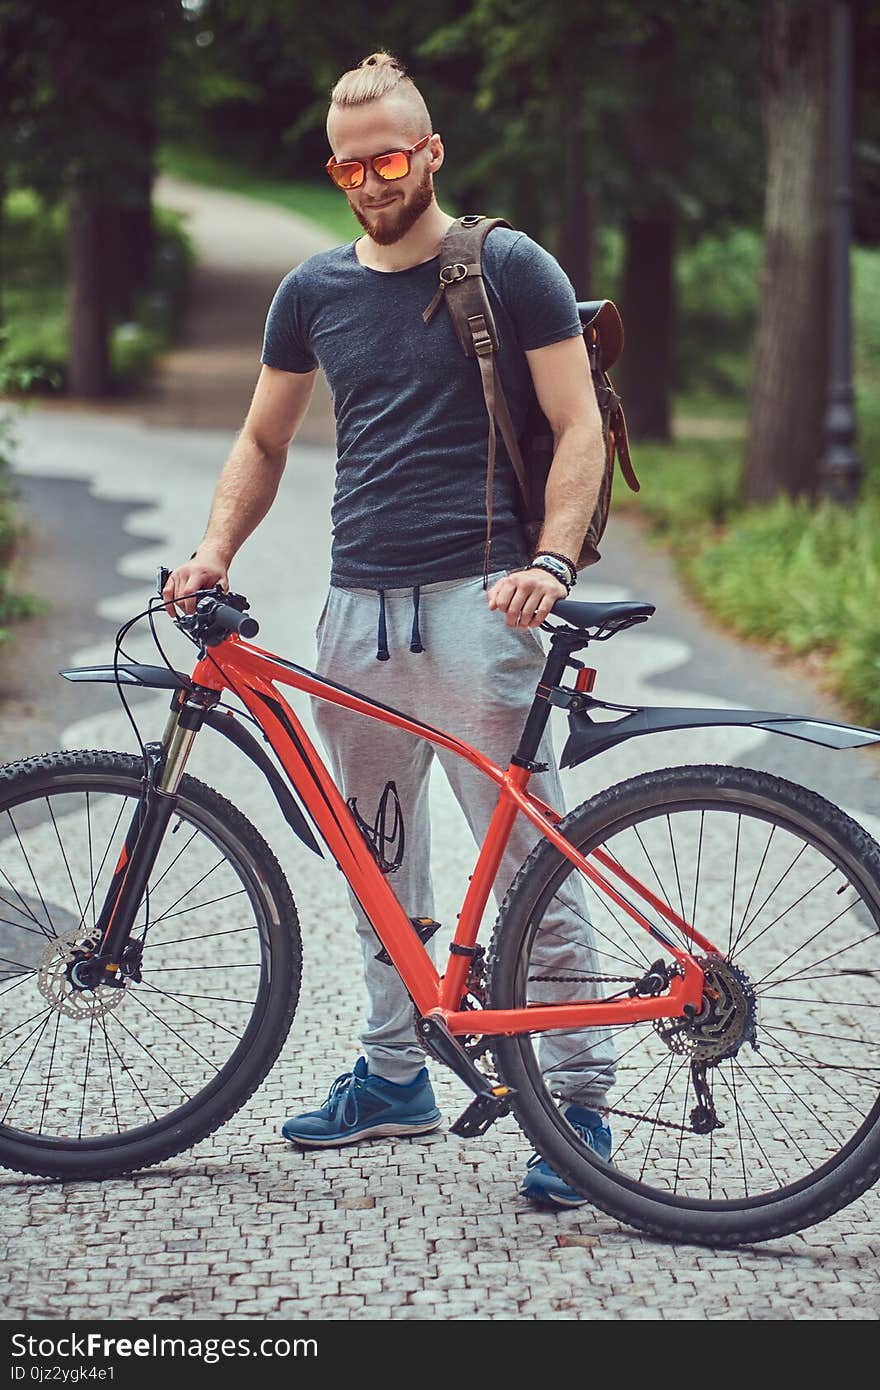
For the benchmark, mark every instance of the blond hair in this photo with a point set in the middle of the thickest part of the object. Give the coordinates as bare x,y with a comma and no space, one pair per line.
382,75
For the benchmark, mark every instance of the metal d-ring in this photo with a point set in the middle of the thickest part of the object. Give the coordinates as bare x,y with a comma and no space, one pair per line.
451,273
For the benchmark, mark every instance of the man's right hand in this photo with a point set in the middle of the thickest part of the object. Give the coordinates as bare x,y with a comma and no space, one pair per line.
203,571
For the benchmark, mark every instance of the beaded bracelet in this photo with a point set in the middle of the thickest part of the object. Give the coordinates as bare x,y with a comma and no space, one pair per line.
549,566
554,555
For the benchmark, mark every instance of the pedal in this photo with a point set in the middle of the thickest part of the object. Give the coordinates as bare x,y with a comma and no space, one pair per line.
482,1112
424,928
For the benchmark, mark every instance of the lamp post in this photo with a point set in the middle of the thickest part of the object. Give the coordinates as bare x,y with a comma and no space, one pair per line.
839,469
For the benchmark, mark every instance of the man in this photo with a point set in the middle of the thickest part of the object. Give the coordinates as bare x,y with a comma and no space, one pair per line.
407,617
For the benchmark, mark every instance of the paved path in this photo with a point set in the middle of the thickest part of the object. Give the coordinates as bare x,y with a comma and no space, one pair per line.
245,1226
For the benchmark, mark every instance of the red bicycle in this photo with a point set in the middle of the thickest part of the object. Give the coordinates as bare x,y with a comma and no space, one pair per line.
717,927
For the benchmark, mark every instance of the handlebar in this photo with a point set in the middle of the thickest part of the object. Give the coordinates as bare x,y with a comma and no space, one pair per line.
217,614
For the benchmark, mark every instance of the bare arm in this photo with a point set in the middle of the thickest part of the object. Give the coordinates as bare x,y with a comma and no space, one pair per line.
561,375
248,481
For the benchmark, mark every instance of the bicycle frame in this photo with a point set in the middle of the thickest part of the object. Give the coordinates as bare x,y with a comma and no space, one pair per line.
252,673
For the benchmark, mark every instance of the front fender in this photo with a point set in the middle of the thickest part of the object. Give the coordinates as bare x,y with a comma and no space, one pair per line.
224,722
586,737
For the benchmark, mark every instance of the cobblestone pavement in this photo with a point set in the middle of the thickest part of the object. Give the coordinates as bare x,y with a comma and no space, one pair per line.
245,1226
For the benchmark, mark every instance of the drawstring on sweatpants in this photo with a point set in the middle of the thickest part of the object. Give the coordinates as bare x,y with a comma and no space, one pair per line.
382,652
415,641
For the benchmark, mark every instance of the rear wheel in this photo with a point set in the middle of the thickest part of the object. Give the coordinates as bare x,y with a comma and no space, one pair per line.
761,1115
97,1082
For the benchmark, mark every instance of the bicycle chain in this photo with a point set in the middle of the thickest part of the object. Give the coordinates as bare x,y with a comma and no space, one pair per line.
608,980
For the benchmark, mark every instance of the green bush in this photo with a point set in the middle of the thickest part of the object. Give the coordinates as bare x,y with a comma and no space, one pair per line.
34,295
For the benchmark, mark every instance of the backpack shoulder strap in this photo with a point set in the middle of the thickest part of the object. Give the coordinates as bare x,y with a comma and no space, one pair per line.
461,285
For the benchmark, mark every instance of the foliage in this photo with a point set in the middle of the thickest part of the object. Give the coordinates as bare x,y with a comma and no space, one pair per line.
13,606
35,301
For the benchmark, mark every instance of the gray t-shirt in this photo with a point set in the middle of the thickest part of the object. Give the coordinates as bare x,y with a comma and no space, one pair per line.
411,423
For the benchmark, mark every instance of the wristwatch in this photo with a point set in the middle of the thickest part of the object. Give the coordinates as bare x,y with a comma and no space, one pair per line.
553,566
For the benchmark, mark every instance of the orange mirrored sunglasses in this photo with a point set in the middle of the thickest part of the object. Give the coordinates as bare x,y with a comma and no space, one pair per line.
350,173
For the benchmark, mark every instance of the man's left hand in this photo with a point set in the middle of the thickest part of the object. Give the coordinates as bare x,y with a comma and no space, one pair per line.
526,596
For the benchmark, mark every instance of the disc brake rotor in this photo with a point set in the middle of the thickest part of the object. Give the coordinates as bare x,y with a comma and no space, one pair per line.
60,990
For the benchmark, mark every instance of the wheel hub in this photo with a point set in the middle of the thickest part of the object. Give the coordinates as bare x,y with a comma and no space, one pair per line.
728,1017
62,984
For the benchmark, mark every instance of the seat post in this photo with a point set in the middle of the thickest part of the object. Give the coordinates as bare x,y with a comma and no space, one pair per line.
563,642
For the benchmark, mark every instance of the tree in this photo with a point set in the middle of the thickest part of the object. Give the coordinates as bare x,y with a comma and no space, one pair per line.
790,363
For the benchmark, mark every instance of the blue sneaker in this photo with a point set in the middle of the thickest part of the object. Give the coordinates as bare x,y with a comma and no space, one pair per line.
544,1187
362,1106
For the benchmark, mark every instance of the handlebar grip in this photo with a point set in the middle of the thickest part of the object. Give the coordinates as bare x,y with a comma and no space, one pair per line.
233,621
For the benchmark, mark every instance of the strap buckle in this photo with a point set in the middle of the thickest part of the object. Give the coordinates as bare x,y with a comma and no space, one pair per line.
449,274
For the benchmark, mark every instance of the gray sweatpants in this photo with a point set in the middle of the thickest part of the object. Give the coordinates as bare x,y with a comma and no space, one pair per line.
475,678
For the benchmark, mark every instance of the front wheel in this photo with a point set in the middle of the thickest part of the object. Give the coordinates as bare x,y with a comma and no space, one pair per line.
759,1116
95,1082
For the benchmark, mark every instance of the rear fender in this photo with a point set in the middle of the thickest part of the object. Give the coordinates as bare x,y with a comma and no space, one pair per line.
587,737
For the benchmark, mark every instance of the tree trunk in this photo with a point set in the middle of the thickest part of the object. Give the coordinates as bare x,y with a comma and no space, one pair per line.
88,366
645,371
575,244
790,361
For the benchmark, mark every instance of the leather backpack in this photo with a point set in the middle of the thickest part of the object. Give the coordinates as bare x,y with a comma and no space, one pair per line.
462,287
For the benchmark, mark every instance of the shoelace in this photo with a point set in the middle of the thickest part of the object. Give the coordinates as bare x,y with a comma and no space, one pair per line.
344,1092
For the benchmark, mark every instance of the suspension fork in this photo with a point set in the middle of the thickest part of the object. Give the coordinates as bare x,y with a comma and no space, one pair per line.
164,764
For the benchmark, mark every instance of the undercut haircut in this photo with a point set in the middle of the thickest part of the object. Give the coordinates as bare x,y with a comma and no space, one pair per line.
382,75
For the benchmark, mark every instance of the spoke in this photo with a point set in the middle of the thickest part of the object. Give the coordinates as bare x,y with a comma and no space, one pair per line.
38,930
49,1072
153,1059
821,1033
85,1085
566,1063
19,964
756,914
192,889
742,1150
760,1146
188,911
631,1131
660,1095
814,1003
167,995
19,981
684,941
697,870
110,1073
91,898
739,930
49,921
663,893
38,1027
817,1069
612,955
129,1072
148,946
15,1027
747,945
813,1113
175,1033
95,877
777,1119
687,1091
607,904
64,857
841,950
250,965
185,846
733,885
